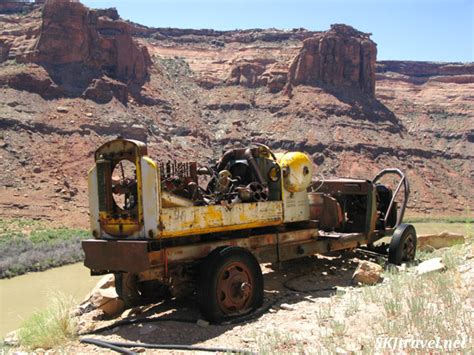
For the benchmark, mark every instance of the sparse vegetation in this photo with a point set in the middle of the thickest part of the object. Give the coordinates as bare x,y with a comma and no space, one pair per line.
424,306
275,342
464,218
429,219
405,306
51,327
28,245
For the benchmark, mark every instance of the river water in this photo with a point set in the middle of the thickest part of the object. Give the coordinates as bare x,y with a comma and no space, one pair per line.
21,296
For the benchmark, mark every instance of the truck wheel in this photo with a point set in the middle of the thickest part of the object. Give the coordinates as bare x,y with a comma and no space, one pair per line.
230,283
403,245
126,288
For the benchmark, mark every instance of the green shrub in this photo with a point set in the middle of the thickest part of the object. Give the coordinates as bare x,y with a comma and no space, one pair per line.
28,245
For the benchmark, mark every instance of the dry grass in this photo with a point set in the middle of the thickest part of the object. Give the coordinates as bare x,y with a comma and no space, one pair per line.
51,327
405,306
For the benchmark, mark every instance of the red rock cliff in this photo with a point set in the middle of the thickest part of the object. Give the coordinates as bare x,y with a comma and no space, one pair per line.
340,57
73,34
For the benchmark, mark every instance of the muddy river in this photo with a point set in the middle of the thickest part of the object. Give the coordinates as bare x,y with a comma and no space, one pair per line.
23,295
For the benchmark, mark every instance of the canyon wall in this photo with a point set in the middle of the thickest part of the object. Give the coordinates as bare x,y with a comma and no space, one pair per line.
72,78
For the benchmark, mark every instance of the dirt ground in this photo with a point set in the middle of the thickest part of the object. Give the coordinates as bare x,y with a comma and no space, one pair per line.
291,313
310,306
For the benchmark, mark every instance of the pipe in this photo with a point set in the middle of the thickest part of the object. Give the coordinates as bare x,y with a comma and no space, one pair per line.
118,346
229,155
406,192
107,345
235,320
251,160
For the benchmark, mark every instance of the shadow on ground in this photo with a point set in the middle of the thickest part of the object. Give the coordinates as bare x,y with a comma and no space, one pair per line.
292,282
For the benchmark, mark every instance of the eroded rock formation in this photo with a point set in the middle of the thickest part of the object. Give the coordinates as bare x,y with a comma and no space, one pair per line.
340,57
246,73
78,46
421,72
72,33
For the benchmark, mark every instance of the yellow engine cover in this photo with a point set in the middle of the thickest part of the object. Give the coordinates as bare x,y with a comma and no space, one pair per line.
297,171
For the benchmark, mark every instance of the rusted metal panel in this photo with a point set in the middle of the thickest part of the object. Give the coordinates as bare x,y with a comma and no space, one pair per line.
296,206
155,273
345,186
130,256
297,235
264,247
182,221
198,251
299,249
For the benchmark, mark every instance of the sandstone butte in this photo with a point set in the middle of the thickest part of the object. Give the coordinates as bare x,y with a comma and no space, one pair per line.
72,78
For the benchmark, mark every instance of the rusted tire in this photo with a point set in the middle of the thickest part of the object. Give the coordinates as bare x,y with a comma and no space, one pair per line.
403,245
230,284
126,288
134,293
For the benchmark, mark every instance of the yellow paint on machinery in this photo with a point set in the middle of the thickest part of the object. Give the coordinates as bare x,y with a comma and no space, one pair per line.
194,220
297,171
161,214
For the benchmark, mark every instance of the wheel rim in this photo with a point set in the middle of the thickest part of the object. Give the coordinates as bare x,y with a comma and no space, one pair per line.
409,248
234,288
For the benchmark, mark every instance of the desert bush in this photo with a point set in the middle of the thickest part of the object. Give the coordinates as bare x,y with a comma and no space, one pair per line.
30,246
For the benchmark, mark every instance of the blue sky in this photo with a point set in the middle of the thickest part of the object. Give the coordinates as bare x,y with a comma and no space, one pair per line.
434,30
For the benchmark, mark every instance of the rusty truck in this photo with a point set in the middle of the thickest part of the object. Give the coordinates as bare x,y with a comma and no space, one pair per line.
168,227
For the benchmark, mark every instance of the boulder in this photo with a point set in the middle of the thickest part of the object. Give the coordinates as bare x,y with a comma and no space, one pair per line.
438,241
287,307
368,273
245,73
105,89
431,265
104,297
62,109
131,312
340,57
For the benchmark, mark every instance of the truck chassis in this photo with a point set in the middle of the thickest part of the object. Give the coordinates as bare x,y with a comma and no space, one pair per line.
219,258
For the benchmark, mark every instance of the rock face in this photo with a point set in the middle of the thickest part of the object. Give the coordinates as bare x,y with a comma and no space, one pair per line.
83,52
422,72
246,73
341,57
72,33
424,69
